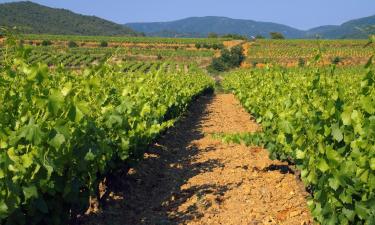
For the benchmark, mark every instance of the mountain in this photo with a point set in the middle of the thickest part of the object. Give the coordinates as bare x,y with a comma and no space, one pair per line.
34,18
201,26
358,28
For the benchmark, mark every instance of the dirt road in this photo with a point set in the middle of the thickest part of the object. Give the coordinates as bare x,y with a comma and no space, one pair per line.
188,177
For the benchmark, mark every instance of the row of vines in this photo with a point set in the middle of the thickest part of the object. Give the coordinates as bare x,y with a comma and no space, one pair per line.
323,121
63,131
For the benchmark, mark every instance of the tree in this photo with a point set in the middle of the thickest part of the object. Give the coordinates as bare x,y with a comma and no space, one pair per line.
72,44
235,36
103,44
228,59
259,37
213,35
46,42
276,35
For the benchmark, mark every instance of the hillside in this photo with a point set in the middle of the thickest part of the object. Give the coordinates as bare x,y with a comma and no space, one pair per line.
34,18
358,28
201,26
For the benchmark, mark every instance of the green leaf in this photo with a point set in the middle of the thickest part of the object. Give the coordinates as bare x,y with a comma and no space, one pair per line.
372,163
337,133
346,198
57,141
333,155
350,214
75,114
300,154
361,210
27,160
89,156
55,101
334,183
3,210
367,104
66,89
322,165
32,133
286,126
346,117
30,192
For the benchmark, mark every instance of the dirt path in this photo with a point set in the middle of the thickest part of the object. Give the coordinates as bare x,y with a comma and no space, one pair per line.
190,178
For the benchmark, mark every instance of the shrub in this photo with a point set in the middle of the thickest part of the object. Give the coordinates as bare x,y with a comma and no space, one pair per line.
46,43
213,35
301,62
103,44
277,35
72,44
198,45
205,45
254,63
235,36
229,59
336,60
218,46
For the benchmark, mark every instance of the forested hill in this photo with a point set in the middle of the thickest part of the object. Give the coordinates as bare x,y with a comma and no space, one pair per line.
202,26
33,18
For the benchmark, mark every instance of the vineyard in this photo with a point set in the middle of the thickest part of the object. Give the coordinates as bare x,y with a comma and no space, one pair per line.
134,119
63,131
294,53
322,120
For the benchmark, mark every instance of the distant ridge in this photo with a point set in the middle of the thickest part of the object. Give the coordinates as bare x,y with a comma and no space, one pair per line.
358,28
201,26
33,18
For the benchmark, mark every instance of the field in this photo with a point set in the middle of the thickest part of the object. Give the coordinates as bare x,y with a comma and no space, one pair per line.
294,53
98,130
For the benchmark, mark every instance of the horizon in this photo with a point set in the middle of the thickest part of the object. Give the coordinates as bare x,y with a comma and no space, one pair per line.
300,15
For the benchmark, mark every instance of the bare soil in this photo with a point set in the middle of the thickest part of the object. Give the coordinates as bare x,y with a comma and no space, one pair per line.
188,177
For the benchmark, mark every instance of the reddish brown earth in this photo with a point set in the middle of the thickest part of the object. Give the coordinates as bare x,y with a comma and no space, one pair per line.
188,177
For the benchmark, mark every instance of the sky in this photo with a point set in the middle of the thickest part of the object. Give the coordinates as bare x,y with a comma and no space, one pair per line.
302,14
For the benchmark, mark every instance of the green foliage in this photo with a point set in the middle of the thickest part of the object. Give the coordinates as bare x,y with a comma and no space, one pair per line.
46,43
62,131
212,35
235,36
259,36
37,19
72,44
301,62
103,44
229,59
323,120
276,35
336,60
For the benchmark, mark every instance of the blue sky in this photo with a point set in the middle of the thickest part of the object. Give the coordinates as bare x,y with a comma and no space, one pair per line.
301,14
